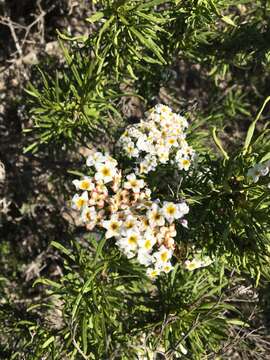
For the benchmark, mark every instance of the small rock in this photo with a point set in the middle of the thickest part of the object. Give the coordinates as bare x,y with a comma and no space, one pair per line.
52,48
30,58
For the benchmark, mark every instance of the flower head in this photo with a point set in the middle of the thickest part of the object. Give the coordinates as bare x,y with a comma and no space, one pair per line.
257,171
84,184
112,226
80,201
163,255
105,172
133,183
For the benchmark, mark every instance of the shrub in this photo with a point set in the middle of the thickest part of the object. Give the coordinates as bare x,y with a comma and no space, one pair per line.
207,198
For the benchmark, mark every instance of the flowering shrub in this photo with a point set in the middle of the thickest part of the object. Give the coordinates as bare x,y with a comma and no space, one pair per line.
147,210
151,215
164,245
122,206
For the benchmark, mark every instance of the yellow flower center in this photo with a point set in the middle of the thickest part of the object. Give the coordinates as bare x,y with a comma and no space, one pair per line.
147,244
88,215
191,266
164,256
146,222
153,273
156,216
133,183
80,202
105,171
171,210
129,224
132,240
186,162
85,184
114,226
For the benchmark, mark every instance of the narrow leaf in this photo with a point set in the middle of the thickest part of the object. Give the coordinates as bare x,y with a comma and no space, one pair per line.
252,127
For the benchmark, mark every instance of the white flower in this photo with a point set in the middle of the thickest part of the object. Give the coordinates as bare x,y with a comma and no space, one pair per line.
131,150
142,143
89,214
163,256
148,164
161,137
152,273
125,209
193,264
184,223
183,209
112,226
130,242
183,164
105,172
161,109
144,258
130,223
94,158
172,141
163,154
167,267
84,184
170,211
80,201
257,171
197,262
133,183
147,242
155,216
173,211
254,172
183,349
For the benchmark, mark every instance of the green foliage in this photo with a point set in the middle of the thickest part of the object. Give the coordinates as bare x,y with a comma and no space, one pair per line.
184,313
74,106
134,45
103,306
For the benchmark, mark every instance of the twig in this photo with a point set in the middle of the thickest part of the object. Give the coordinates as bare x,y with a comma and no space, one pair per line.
14,36
13,26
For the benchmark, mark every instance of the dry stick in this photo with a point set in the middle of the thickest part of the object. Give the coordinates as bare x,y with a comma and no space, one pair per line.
42,22
5,20
14,36
38,19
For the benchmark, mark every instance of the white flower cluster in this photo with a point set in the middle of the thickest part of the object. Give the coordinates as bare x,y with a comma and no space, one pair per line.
160,139
122,206
259,170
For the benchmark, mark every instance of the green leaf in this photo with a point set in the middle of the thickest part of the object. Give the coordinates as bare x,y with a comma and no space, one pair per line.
149,43
151,4
84,333
218,143
228,20
237,322
252,127
63,249
47,282
99,248
48,342
265,158
30,147
95,17
130,70
105,26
